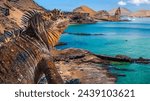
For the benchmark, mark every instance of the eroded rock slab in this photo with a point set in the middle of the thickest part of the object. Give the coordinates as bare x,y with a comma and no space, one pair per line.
82,65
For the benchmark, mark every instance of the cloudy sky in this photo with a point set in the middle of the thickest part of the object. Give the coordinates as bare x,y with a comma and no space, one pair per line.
68,5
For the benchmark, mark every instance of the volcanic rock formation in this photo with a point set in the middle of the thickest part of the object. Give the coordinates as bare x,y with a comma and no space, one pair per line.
85,9
124,11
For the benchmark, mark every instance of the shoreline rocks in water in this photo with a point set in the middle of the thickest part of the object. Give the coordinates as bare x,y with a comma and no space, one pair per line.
123,58
61,44
88,68
85,34
78,64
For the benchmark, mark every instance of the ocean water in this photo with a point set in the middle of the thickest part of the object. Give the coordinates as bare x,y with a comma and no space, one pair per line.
126,38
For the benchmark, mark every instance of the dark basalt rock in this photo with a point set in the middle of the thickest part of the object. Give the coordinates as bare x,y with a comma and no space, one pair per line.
79,18
81,64
73,81
116,74
71,54
142,60
119,58
123,57
86,34
61,44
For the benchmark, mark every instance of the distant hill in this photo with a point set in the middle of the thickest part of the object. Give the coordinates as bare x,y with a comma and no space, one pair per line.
141,13
124,11
85,9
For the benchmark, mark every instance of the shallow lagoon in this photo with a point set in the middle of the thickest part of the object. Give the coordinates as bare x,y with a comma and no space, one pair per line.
127,38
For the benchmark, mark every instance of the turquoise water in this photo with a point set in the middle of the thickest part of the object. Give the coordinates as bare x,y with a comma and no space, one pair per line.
127,38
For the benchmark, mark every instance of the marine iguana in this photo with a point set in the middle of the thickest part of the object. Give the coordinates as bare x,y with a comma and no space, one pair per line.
25,53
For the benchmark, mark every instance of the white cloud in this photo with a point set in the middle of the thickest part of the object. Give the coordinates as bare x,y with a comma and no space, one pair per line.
138,2
122,3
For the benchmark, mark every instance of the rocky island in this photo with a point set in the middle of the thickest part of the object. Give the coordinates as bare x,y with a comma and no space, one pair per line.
72,64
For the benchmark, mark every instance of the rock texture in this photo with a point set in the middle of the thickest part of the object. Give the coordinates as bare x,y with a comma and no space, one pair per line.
116,16
12,10
81,15
124,11
79,18
101,15
76,64
85,9
83,65
105,16
24,53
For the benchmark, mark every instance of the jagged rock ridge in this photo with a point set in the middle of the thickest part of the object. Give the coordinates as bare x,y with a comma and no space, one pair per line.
124,11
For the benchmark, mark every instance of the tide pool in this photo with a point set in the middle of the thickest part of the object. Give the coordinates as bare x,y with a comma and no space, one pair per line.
126,38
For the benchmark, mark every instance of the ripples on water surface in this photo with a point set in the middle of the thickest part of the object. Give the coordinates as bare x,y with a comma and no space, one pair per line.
127,38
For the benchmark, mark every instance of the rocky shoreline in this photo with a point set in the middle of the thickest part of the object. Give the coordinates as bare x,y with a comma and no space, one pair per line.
89,68
72,64
82,65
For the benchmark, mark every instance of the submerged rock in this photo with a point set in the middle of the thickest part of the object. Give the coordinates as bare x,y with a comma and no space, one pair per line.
86,34
117,75
61,44
120,69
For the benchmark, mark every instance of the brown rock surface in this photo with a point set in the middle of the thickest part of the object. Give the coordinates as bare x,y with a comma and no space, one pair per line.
81,64
100,15
124,11
79,18
16,9
106,16
85,9
72,63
